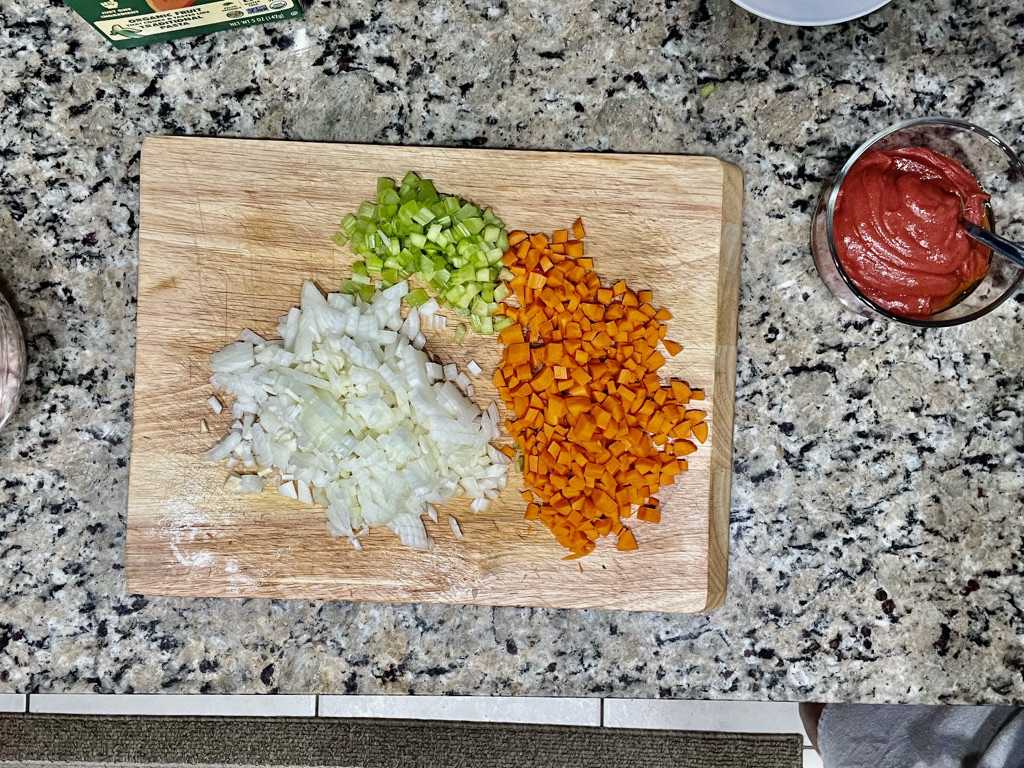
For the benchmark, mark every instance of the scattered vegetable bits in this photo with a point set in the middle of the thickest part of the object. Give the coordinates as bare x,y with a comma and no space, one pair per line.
599,432
443,240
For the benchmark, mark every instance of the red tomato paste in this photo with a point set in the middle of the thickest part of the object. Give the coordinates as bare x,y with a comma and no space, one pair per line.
897,230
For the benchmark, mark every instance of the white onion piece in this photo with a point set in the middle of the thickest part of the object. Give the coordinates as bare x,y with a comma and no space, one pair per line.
455,525
223,449
348,412
215,405
473,368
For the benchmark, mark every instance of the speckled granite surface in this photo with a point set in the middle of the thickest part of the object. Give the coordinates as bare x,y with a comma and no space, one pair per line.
876,536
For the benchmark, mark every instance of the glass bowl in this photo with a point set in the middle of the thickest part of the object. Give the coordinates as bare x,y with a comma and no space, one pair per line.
12,361
1000,173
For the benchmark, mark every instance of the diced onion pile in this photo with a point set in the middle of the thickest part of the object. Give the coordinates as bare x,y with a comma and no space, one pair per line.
348,411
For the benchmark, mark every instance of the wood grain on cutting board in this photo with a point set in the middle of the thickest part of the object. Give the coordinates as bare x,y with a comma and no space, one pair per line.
231,228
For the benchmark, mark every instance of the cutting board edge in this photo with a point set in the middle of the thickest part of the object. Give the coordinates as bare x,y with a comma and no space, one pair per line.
147,587
726,332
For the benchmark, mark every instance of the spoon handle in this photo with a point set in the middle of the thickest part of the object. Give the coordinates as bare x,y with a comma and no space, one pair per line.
1012,251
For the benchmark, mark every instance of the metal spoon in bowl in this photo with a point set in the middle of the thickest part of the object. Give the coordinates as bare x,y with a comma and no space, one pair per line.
1005,248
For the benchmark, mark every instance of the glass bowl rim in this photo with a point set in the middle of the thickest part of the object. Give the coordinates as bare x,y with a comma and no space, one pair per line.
1015,161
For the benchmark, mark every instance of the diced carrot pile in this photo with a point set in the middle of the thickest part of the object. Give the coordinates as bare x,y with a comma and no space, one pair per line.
599,432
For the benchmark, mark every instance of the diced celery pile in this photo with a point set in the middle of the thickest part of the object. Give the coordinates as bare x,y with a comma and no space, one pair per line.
448,243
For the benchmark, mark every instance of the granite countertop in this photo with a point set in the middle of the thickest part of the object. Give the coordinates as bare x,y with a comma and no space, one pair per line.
876,537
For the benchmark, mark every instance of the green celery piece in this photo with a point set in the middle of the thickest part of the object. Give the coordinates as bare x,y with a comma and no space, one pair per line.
426,193
486,325
492,233
339,239
417,297
423,216
467,211
384,185
469,292
474,323
374,264
391,275
359,268
474,225
454,295
501,323
410,182
366,293
501,293
460,333
348,222
350,287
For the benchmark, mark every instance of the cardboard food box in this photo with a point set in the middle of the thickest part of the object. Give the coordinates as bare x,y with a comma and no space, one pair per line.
128,23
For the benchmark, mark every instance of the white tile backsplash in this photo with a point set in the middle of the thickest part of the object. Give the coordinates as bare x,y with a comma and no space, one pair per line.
714,716
12,702
524,709
173,704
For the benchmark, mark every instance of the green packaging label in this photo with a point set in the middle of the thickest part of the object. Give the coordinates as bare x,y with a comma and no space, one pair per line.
128,23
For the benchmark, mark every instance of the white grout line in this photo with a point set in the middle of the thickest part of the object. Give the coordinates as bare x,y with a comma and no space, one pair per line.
12,702
270,705
710,716
520,709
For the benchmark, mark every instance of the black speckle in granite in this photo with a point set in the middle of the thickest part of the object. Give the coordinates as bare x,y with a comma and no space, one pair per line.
267,675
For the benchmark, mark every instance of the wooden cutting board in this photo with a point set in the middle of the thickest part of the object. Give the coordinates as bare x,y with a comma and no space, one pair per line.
231,228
